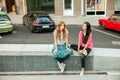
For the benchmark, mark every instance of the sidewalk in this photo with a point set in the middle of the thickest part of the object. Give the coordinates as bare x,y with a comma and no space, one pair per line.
55,77
62,77
69,20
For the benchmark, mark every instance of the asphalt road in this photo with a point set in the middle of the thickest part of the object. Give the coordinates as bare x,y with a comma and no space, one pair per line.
101,38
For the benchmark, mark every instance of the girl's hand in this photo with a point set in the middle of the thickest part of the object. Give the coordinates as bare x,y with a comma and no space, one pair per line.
68,49
80,52
55,51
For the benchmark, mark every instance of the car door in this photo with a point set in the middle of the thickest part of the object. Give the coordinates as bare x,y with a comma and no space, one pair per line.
117,24
112,22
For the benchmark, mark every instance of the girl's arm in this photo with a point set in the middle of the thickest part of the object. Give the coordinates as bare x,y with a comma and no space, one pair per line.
78,48
88,42
79,42
66,41
55,40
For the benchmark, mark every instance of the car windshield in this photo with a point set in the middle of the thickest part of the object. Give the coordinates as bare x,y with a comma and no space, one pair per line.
114,17
43,19
4,18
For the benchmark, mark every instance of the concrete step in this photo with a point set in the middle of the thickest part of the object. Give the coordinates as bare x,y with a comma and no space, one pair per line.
55,77
54,73
106,59
36,61
38,57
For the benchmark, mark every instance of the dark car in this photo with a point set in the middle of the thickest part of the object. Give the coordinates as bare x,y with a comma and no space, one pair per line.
113,22
38,20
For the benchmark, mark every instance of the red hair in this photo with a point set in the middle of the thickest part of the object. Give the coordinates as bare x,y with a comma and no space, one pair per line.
59,31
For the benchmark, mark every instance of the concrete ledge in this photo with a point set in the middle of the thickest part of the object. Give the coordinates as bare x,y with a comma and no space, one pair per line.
35,57
38,57
17,63
54,73
106,59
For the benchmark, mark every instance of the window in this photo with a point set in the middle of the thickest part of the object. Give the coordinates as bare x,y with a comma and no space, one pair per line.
100,5
113,18
4,18
90,4
117,5
95,7
119,18
67,4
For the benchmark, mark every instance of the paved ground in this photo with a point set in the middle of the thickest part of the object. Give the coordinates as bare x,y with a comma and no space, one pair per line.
22,35
109,76
55,77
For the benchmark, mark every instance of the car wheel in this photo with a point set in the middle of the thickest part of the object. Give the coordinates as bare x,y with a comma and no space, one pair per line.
10,32
102,25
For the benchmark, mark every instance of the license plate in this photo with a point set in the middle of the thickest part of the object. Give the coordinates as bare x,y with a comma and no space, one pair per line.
45,26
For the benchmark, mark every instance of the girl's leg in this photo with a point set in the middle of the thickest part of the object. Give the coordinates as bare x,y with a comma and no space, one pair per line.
61,63
74,47
83,57
61,60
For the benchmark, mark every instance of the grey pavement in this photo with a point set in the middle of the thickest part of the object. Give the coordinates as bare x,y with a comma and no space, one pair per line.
55,77
34,76
69,20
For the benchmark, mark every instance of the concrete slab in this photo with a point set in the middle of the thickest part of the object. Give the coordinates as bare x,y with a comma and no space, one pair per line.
38,57
55,77
106,59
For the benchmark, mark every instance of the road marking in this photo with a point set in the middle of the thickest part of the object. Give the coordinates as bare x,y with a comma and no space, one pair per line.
106,33
116,42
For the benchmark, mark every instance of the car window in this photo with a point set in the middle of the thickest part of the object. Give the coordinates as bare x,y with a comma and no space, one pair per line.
113,17
4,18
43,19
119,18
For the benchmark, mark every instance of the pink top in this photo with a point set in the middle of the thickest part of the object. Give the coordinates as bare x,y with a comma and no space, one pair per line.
89,42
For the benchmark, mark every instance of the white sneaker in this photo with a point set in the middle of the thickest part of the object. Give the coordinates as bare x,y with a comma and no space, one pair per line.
59,64
81,73
63,67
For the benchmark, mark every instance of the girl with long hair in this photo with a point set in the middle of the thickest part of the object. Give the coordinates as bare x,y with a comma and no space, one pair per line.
85,44
61,51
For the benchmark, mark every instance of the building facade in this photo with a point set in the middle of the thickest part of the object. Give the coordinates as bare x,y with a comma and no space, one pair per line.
63,7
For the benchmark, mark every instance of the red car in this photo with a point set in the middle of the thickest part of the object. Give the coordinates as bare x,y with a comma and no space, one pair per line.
113,22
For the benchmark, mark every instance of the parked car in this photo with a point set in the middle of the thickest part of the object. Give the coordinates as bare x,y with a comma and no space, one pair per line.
38,20
5,23
113,22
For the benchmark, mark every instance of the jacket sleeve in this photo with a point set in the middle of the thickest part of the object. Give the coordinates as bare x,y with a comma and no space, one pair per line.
80,38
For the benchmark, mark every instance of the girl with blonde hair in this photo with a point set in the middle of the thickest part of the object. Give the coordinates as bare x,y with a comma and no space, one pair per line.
61,51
